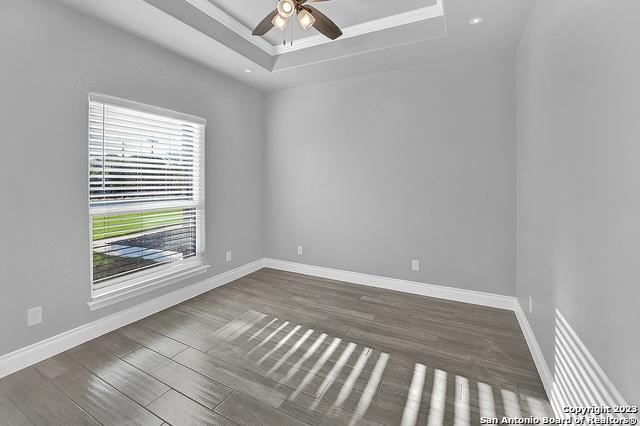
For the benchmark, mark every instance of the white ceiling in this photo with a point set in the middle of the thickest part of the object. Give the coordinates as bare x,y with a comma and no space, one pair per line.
344,13
221,43
242,20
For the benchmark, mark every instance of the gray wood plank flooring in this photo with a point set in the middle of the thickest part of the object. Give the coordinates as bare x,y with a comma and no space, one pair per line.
179,410
101,401
11,415
278,348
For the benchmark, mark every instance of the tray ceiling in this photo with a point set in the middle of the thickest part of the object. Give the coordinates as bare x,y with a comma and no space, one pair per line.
345,13
379,35
355,18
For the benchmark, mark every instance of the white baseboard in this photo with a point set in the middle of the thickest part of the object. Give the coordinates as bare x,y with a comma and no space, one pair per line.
538,358
44,349
578,379
431,290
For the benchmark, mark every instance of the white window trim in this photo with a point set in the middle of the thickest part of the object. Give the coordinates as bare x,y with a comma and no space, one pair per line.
142,282
161,276
125,103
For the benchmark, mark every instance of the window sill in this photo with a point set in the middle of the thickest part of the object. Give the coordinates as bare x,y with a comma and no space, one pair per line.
140,285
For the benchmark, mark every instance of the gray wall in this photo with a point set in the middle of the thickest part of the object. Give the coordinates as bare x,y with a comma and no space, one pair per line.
579,180
51,57
370,173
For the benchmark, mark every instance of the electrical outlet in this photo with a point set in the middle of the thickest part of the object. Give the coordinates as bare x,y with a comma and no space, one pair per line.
299,250
415,265
530,305
228,256
34,316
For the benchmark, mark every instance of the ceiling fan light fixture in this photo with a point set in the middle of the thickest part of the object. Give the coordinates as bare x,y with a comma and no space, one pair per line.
280,22
286,8
308,16
306,19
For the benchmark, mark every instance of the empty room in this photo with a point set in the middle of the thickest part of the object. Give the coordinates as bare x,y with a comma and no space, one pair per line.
319,212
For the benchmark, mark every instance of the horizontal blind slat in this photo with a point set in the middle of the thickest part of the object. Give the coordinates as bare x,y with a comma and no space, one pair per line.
146,186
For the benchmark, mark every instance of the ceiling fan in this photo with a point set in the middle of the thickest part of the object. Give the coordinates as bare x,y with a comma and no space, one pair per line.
308,17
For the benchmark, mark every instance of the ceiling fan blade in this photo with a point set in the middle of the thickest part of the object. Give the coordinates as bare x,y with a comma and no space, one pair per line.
265,25
323,24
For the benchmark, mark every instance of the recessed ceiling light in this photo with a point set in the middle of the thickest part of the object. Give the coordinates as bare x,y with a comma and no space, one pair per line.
475,21
247,70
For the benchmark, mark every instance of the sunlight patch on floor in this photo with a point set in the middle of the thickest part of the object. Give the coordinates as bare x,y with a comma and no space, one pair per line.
414,397
317,366
296,367
290,352
370,389
282,341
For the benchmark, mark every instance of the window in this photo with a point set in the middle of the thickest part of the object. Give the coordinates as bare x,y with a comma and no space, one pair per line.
146,194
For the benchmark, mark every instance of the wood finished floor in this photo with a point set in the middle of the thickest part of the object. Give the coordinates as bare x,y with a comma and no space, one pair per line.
277,348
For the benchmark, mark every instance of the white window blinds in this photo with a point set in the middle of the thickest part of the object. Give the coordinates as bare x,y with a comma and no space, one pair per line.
146,188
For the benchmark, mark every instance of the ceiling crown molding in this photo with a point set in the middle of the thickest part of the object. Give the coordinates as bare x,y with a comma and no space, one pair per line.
404,18
228,21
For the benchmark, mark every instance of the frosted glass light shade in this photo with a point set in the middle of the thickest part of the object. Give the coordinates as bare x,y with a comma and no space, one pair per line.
286,8
279,22
306,19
